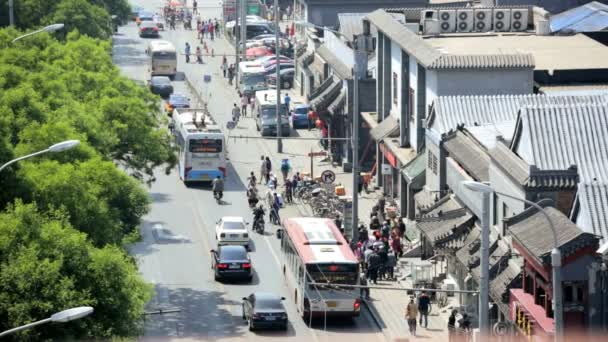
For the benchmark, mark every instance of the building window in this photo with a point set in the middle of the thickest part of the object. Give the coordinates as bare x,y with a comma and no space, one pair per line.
395,88
432,162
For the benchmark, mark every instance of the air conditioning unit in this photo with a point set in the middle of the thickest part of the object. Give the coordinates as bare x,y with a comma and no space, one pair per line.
502,19
483,20
464,20
447,20
427,14
519,19
431,27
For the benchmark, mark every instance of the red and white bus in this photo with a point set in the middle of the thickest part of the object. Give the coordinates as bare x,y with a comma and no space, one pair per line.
314,250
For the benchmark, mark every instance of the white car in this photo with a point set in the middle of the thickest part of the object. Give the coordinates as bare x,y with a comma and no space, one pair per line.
232,230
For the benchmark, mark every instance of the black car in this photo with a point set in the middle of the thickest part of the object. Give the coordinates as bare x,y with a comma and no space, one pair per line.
264,310
161,85
286,78
148,29
231,261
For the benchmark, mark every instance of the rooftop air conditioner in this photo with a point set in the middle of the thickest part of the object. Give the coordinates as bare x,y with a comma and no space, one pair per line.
427,14
502,19
432,27
519,19
464,20
483,19
447,20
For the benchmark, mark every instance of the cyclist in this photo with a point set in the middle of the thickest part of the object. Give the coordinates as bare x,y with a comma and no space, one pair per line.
218,188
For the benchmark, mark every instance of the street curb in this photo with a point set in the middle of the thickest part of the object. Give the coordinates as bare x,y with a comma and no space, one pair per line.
376,318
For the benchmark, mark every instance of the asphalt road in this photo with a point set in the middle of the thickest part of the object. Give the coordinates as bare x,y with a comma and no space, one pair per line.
178,233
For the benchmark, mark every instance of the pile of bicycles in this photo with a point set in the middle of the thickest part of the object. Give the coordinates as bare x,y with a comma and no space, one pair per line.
321,198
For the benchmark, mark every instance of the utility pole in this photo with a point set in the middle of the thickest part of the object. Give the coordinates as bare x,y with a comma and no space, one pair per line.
237,34
278,83
484,279
355,146
243,28
11,17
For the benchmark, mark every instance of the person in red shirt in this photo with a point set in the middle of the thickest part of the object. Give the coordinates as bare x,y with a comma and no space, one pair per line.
324,135
312,117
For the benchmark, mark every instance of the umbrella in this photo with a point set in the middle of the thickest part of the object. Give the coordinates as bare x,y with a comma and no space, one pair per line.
175,3
257,52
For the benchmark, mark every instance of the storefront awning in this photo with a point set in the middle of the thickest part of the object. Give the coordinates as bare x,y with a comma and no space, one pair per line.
414,172
336,106
385,128
321,101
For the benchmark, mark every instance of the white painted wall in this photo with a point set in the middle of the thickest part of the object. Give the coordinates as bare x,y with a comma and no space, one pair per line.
431,87
502,183
396,70
413,70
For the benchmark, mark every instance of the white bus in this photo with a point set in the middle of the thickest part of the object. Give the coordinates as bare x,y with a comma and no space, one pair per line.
201,146
163,58
314,250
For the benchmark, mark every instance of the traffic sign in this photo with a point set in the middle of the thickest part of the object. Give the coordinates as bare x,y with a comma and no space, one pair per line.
230,125
206,78
328,176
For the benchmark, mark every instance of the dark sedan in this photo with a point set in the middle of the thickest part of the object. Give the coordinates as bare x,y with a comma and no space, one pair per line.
231,262
148,29
264,310
161,85
286,78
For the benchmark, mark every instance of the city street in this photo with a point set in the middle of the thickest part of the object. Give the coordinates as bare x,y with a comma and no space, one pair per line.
178,232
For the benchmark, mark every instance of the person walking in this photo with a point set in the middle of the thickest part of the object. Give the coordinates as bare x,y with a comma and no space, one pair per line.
194,9
287,100
452,325
230,73
424,307
199,55
218,31
263,173
391,262
285,168
289,191
373,266
187,52
224,66
411,313
236,113
268,169
244,103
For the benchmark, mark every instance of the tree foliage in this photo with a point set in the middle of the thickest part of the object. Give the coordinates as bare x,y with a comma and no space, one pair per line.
47,266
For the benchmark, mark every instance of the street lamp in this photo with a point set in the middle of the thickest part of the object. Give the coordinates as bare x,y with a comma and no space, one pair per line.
60,317
49,29
355,134
556,258
59,147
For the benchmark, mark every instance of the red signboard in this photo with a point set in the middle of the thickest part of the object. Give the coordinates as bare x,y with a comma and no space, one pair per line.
388,155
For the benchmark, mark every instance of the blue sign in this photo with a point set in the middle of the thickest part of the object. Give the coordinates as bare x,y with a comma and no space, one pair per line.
230,125
207,78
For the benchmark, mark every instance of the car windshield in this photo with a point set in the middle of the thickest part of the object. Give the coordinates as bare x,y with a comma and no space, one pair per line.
148,24
178,98
146,15
302,110
268,304
270,112
162,80
233,253
233,225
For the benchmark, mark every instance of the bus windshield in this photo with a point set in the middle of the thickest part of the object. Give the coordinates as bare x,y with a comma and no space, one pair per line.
163,55
205,145
270,112
252,79
346,274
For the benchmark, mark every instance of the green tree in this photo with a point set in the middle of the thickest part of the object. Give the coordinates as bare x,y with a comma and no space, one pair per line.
81,15
47,266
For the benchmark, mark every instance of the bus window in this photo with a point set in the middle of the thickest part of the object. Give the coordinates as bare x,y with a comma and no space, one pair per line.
205,145
164,55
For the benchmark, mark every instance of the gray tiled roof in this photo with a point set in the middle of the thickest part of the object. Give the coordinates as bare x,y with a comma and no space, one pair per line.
554,137
451,111
387,127
503,280
431,58
532,231
510,163
334,62
443,220
592,213
425,199
472,157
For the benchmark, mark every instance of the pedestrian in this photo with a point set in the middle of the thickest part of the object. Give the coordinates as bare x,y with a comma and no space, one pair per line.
285,168
287,101
386,229
359,185
224,66
236,113
312,116
383,254
396,246
244,103
289,191
187,52
268,167
381,204
324,136
401,227
374,223
194,5
252,105
263,172
411,313
391,262
465,323
373,266
368,252
230,74
424,306
199,56
217,28
452,325
363,291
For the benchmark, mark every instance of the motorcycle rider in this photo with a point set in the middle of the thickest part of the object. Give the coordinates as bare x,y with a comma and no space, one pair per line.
252,180
258,218
218,187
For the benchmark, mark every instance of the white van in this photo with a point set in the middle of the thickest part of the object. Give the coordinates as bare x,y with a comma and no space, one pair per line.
163,58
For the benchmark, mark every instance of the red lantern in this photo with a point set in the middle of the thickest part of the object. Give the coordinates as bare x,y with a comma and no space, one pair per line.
319,123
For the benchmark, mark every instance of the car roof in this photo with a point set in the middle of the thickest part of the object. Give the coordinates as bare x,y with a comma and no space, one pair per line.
298,106
161,78
148,23
266,296
233,219
178,95
235,248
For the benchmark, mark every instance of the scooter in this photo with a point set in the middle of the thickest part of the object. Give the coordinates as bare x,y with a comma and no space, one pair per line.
218,196
258,223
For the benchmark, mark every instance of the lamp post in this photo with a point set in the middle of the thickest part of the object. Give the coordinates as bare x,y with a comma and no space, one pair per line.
50,28
355,133
556,258
277,36
60,317
59,147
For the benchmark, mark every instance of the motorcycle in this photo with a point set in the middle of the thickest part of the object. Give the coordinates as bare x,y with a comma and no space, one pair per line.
258,221
218,196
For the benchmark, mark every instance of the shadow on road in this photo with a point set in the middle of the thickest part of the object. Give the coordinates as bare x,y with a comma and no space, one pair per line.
202,314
